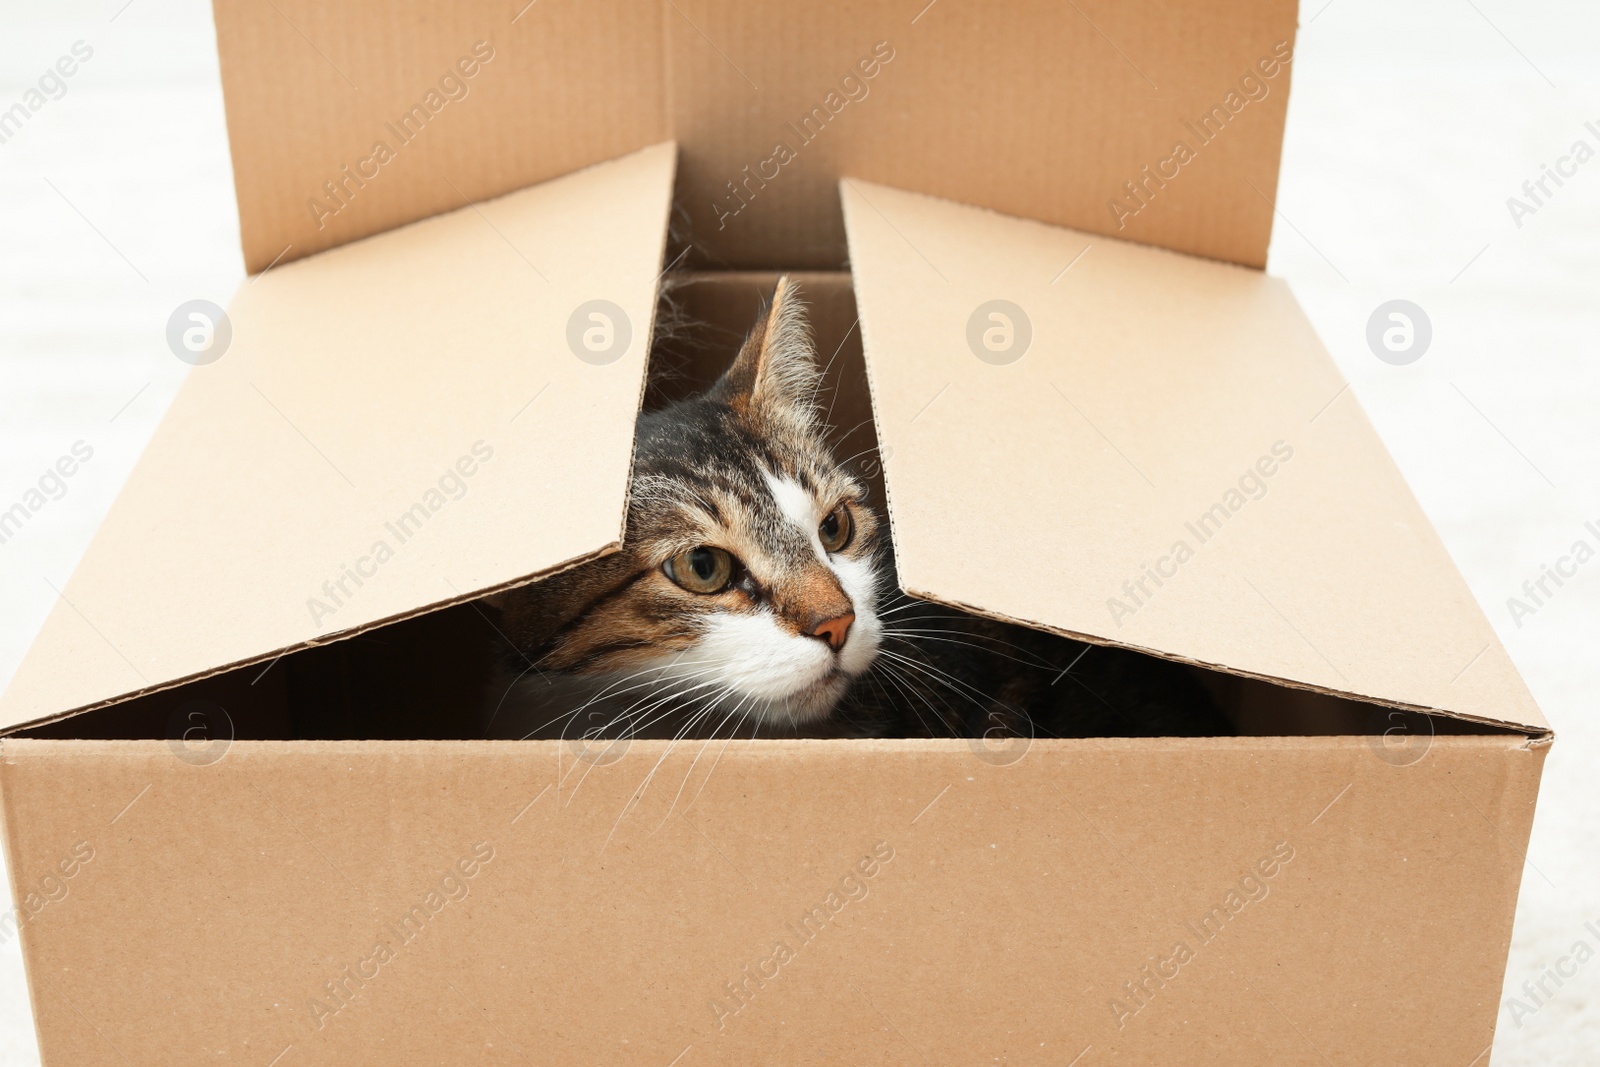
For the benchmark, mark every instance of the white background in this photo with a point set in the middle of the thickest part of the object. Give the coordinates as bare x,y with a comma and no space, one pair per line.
1409,127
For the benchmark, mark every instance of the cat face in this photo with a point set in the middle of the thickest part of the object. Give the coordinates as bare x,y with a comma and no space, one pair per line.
748,580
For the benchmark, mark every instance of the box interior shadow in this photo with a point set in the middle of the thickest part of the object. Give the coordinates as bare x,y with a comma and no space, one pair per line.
427,677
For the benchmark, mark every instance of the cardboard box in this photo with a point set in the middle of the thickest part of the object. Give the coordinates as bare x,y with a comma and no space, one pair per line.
246,818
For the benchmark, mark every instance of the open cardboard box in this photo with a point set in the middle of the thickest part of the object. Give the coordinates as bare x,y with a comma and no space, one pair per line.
245,815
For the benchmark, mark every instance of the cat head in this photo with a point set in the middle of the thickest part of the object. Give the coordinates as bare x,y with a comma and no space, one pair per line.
748,579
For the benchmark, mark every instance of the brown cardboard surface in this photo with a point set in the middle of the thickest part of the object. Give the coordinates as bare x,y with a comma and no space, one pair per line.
1152,384
605,927
312,89
427,368
1045,110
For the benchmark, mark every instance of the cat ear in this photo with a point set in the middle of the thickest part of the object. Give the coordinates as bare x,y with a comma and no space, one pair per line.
775,372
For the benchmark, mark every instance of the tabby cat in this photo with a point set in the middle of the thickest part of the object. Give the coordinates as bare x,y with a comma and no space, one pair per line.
754,595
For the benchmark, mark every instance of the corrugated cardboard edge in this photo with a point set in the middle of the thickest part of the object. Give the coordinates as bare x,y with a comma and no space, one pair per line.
781,748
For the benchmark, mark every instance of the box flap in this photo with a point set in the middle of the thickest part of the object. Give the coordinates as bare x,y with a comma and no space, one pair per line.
1147,449
1160,122
403,422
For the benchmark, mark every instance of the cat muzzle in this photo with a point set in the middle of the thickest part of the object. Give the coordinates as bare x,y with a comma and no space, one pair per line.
834,630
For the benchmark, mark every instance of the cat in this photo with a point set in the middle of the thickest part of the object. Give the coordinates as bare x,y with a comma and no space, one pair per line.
754,595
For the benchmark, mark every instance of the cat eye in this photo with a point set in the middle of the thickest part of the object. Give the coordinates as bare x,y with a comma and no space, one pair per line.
837,529
701,570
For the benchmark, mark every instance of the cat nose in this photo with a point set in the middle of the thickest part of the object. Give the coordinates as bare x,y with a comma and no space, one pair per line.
835,630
